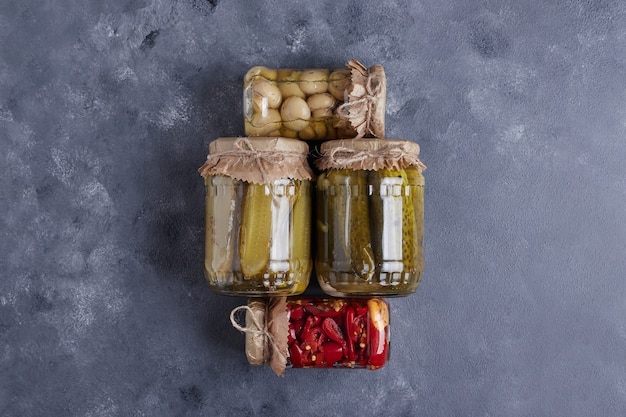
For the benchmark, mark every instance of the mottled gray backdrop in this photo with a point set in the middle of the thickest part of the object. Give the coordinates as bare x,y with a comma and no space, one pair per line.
107,109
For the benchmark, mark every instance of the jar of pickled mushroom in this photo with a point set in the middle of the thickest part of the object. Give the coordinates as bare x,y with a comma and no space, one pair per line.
258,216
370,217
293,332
315,104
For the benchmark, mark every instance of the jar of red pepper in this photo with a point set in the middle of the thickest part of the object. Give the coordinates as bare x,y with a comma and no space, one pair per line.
316,333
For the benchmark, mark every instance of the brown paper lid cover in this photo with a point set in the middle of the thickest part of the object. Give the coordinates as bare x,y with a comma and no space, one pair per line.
256,343
267,328
369,154
258,160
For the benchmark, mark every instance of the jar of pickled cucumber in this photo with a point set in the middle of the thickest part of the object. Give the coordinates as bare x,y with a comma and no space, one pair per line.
258,216
370,217
293,332
315,104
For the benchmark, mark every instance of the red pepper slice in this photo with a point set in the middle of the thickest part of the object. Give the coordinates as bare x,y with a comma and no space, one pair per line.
296,356
333,352
292,335
320,359
349,324
361,332
361,310
310,322
312,338
377,329
349,351
323,310
377,347
297,326
332,330
296,312
307,358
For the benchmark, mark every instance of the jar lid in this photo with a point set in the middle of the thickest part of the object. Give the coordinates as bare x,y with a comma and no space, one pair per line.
364,109
258,160
369,154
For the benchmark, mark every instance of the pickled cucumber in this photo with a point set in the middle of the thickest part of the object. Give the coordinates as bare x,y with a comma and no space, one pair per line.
255,231
301,235
413,239
409,232
322,220
222,224
399,195
349,218
387,217
301,224
283,197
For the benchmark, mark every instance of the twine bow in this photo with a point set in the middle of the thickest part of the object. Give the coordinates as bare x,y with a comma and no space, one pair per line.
244,149
362,99
259,329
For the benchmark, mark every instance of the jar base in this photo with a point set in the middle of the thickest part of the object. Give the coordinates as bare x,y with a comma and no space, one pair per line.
346,284
273,285
255,293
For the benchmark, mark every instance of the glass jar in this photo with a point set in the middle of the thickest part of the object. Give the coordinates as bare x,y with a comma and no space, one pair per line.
288,332
370,218
315,104
258,216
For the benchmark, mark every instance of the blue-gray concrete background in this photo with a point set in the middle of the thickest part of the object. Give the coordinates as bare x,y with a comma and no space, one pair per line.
107,109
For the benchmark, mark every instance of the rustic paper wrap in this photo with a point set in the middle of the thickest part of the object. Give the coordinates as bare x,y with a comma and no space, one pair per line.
258,160
364,109
256,349
267,328
278,328
369,154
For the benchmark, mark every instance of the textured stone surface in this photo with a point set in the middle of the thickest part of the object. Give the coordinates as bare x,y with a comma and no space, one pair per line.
106,112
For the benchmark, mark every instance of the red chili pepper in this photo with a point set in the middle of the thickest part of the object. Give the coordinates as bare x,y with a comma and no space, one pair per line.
349,351
310,322
307,358
333,352
295,355
377,329
361,361
297,326
322,310
320,359
312,338
296,312
377,347
292,335
332,330
349,324
361,333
